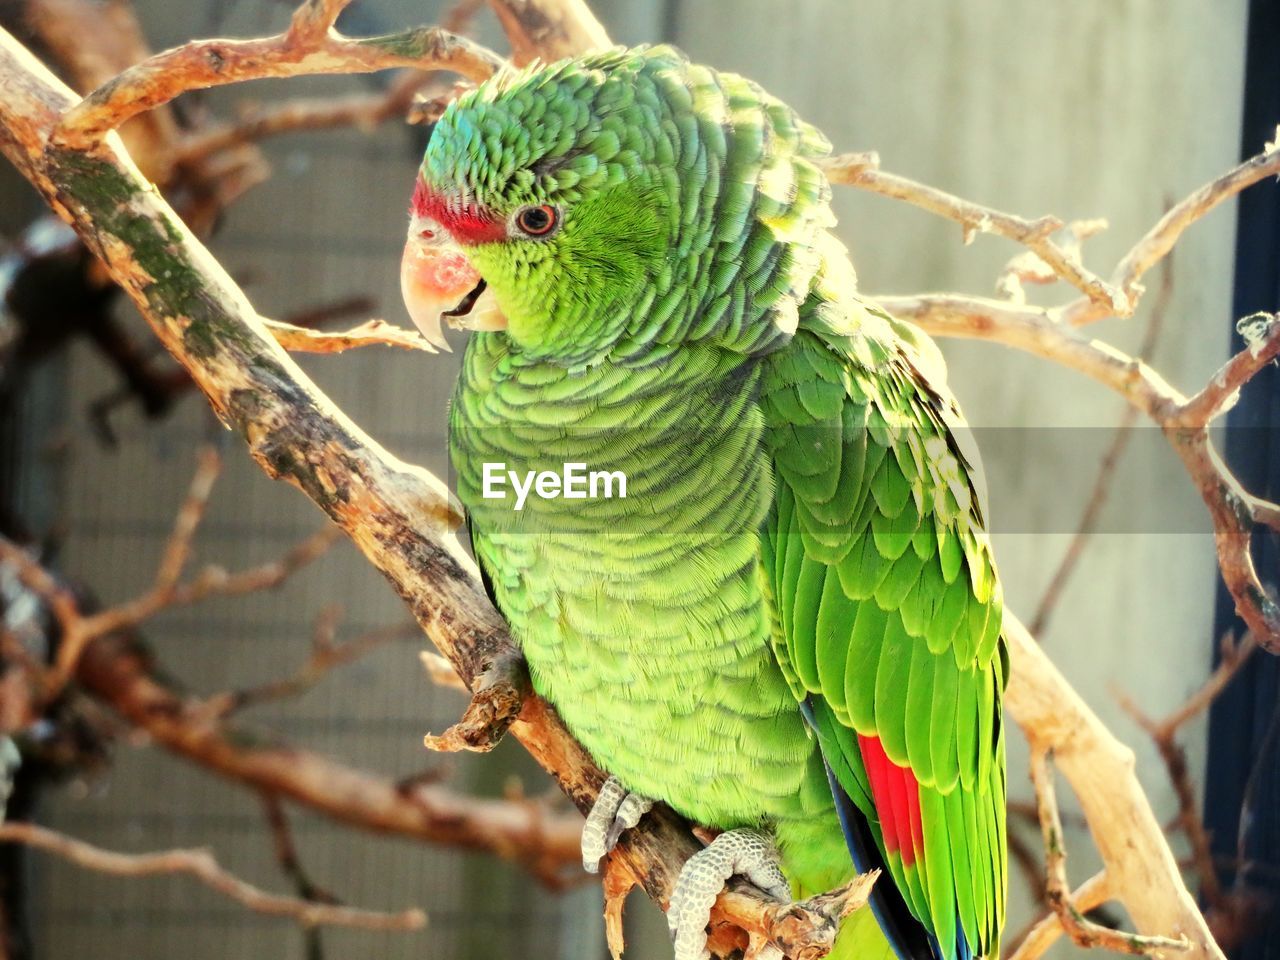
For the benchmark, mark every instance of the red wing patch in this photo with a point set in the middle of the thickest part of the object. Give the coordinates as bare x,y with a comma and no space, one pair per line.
896,794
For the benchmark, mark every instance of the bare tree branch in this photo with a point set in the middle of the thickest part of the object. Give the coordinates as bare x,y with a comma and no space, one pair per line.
119,674
1223,389
1117,297
79,630
403,519
1233,656
1164,735
1141,868
1106,470
326,656
286,852
202,865
309,46
1045,932
110,665
862,170
119,42
549,29
1159,240
363,111
1084,932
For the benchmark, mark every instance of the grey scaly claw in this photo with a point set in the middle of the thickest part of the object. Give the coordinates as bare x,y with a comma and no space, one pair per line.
616,810
742,852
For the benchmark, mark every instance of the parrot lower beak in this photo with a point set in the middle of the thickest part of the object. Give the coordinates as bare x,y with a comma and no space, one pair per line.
439,283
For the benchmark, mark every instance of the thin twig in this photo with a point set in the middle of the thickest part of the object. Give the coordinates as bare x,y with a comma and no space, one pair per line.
1106,471
117,673
1028,267
177,549
861,170
59,598
1088,522
1223,388
1160,239
1042,933
1079,928
213,581
78,629
362,111
1164,733
286,851
202,865
325,657
1117,297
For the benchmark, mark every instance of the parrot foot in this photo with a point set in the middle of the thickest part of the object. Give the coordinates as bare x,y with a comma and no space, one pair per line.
743,852
616,810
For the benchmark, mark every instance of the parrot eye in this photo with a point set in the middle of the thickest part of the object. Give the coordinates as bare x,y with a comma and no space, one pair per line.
538,221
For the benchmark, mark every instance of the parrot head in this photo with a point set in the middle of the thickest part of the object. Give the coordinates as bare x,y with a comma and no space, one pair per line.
570,204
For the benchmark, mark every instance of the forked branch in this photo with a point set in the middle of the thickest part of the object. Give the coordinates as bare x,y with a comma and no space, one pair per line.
1083,931
863,170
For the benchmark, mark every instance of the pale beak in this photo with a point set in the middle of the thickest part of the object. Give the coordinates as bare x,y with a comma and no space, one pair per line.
438,284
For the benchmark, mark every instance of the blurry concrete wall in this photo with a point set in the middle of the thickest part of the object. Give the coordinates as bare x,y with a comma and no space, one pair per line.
1093,108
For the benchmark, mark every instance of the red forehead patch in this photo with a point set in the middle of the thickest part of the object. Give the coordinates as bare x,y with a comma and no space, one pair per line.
466,223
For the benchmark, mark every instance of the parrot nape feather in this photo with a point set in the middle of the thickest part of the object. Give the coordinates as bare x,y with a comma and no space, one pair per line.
747,559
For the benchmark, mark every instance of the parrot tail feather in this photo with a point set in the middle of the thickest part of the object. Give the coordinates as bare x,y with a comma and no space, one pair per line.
906,935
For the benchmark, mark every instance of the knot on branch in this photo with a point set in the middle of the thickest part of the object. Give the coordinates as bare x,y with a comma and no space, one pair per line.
1256,329
498,696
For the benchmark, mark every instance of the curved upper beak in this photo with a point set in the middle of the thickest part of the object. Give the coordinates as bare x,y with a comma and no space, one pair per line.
439,283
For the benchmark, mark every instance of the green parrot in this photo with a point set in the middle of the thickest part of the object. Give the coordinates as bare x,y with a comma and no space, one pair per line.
725,504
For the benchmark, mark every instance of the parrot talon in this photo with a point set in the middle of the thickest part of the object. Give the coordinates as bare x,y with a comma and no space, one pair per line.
741,852
616,810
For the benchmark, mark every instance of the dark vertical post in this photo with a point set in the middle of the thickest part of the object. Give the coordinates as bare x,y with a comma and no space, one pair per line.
1242,793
